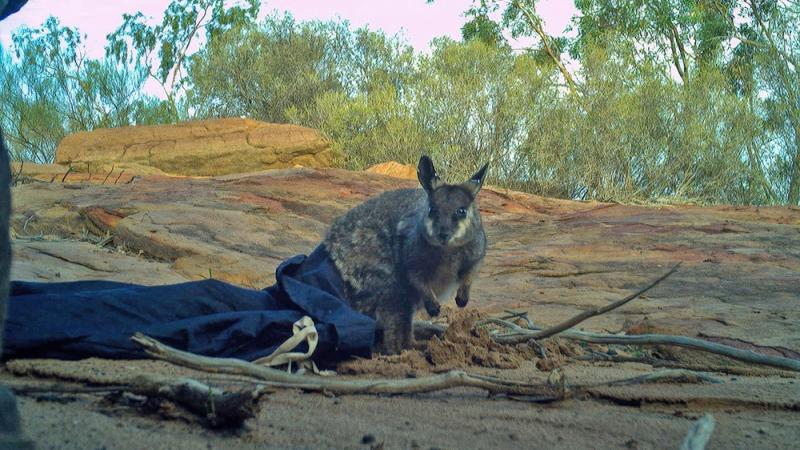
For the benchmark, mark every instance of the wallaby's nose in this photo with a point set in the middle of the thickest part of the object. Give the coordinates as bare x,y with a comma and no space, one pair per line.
444,237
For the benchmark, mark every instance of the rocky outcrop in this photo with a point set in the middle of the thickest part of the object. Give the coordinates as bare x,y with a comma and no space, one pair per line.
395,169
551,257
197,148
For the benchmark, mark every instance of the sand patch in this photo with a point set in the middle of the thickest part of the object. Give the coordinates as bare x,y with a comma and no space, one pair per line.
462,346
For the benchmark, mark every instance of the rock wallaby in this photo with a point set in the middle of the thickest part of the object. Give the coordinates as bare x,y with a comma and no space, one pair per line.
409,248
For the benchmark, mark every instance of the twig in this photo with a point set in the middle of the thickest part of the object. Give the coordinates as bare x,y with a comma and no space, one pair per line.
89,171
667,364
69,170
519,315
119,176
664,339
569,323
699,433
105,240
518,333
217,408
280,379
58,388
108,175
15,178
425,331
674,375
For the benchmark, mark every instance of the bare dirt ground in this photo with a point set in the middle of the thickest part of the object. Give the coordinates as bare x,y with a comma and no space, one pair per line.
739,284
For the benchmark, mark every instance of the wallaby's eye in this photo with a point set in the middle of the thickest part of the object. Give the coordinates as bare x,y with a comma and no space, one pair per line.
461,213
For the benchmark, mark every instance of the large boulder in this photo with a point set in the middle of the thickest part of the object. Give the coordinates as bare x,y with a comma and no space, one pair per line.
395,169
200,148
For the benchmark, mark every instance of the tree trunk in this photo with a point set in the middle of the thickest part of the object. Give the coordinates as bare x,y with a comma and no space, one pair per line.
794,177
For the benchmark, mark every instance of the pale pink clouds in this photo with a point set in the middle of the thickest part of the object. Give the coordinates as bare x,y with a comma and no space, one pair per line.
418,21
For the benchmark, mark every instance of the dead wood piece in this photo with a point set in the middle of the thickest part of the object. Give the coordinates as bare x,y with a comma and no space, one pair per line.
683,341
519,334
220,409
425,331
668,364
69,170
217,409
571,322
663,376
699,433
109,174
280,379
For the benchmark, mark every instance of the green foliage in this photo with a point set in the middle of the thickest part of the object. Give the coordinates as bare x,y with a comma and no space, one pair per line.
673,100
52,90
164,48
261,71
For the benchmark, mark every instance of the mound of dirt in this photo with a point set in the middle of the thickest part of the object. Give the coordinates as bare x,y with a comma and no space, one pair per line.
462,346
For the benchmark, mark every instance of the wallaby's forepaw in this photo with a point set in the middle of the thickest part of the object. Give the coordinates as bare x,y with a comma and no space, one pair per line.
462,301
433,308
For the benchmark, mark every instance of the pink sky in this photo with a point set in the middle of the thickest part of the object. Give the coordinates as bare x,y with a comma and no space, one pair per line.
418,21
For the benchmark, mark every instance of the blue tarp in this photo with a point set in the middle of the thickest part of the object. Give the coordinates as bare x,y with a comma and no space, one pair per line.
82,319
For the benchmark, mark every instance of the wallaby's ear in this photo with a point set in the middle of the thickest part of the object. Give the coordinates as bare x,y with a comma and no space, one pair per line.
475,182
427,174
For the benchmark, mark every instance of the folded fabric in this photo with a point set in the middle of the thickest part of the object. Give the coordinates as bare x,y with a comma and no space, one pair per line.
82,319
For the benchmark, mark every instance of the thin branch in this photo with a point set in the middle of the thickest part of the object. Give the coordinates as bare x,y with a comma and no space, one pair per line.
69,169
108,175
536,24
571,322
673,375
699,433
217,408
663,339
280,379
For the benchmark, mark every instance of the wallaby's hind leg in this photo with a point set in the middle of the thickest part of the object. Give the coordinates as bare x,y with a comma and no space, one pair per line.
397,328
462,296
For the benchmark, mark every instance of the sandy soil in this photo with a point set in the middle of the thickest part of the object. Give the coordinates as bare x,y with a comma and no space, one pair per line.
751,411
552,258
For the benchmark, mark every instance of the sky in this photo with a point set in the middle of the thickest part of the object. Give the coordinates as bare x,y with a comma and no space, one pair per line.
418,21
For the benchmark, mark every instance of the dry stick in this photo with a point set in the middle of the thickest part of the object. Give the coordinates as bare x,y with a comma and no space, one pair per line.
119,176
683,341
108,175
274,378
667,364
569,323
279,378
15,178
69,169
646,339
218,409
673,375
699,434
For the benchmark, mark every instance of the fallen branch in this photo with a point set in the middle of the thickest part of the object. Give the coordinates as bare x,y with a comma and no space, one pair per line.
672,375
519,334
699,434
571,322
69,170
108,175
217,408
15,178
280,379
667,364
